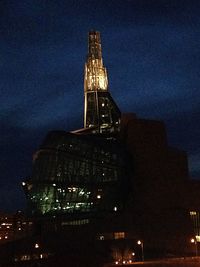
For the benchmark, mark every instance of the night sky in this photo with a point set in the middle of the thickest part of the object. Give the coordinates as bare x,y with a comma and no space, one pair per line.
152,53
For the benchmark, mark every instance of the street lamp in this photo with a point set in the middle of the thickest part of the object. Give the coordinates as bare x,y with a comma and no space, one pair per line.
141,243
194,241
37,245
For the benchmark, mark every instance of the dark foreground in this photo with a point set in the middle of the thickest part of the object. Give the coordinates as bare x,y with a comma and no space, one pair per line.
176,262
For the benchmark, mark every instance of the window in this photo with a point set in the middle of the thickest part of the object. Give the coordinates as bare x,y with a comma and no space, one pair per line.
119,235
101,237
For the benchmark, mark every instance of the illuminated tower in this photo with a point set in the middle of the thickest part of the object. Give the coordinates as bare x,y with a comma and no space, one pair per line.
101,114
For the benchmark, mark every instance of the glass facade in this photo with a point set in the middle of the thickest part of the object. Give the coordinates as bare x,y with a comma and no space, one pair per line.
79,173
76,174
101,112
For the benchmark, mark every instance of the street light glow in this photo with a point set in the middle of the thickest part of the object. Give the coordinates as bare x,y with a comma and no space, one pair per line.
194,241
37,245
141,243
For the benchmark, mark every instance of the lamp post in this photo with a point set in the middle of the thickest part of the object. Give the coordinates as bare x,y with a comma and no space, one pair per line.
141,243
194,241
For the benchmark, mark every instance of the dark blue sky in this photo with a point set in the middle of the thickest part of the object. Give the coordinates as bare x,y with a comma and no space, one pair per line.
152,53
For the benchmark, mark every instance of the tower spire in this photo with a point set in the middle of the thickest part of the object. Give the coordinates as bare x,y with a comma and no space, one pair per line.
95,73
101,113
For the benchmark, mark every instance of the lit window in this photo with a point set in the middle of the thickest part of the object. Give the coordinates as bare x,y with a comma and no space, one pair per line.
192,213
197,238
98,196
119,235
72,189
78,222
101,237
25,258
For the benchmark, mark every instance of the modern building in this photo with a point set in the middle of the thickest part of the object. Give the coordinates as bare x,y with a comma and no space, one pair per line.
83,172
101,189
77,175
101,114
